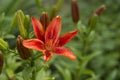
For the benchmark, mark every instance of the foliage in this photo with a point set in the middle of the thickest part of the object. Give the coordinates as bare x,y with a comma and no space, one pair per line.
97,52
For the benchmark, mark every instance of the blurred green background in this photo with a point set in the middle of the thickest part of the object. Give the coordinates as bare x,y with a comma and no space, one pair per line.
103,66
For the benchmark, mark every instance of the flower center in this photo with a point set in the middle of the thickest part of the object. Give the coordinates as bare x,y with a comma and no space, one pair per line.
50,36
49,45
47,53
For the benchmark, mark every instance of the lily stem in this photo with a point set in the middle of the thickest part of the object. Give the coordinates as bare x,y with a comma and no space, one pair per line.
33,69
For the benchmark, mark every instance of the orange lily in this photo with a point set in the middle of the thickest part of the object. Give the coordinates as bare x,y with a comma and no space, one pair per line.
48,41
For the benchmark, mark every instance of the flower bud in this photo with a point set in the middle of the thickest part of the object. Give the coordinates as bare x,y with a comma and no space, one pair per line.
1,61
56,8
20,19
59,4
100,10
53,12
3,44
92,22
23,52
75,11
44,19
27,21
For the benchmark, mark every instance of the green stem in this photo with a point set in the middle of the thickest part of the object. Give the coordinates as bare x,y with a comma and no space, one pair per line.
81,59
33,75
84,46
33,69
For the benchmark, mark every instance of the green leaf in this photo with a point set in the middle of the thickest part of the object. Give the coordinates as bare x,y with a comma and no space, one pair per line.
65,72
89,72
27,73
112,75
13,22
81,27
9,36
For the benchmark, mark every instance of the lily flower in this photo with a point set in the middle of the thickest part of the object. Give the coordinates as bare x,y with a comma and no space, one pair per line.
49,41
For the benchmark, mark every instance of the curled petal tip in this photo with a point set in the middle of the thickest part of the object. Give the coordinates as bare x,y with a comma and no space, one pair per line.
19,37
43,12
32,18
58,17
73,57
76,31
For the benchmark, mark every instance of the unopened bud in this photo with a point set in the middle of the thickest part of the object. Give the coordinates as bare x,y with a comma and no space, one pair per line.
59,4
23,52
100,10
53,12
3,44
44,19
75,11
20,19
56,8
1,61
92,22
27,21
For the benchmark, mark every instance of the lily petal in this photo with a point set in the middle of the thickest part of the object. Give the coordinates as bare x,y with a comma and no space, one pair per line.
53,31
67,37
64,52
47,55
35,44
38,28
